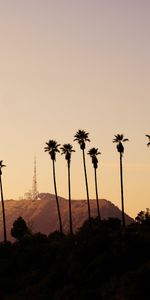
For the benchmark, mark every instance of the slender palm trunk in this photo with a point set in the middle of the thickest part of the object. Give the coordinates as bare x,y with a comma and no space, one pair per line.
87,189
69,191
3,211
122,195
57,202
97,200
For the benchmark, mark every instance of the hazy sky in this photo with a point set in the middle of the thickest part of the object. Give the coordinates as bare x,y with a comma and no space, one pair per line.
70,64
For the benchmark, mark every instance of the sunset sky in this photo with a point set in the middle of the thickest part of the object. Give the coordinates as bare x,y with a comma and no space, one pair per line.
75,64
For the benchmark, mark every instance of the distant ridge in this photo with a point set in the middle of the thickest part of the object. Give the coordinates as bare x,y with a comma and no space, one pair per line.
41,215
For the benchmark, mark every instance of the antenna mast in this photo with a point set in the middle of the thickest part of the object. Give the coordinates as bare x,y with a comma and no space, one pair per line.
34,187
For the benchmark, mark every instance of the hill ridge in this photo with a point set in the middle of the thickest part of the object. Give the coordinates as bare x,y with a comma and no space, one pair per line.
41,215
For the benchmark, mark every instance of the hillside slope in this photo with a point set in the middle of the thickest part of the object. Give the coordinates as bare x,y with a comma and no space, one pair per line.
41,215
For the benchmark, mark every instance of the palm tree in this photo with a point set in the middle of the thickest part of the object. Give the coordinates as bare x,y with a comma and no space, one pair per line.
119,139
82,137
3,208
93,152
148,136
52,149
67,150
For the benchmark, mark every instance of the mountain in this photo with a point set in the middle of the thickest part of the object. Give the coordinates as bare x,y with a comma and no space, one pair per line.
41,215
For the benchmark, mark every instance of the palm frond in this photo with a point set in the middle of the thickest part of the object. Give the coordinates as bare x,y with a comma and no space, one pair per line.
52,148
148,136
119,139
93,152
1,164
67,148
81,135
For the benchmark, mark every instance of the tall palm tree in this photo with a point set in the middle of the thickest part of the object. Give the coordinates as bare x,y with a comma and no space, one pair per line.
93,152
67,150
119,139
3,208
148,136
82,137
52,149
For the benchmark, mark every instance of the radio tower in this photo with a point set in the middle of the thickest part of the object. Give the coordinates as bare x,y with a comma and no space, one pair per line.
34,187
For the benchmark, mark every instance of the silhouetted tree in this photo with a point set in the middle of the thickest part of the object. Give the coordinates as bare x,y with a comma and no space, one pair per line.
52,149
2,200
119,139
67,150
143,217
82,137
20,229
93,152
148,136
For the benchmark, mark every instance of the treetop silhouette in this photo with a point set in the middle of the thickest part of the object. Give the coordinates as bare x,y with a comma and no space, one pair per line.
148,136
93,152
119,138
1,166
52,148
67,149
81,137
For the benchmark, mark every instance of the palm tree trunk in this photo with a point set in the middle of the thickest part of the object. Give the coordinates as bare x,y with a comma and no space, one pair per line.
3,211
57,202
96,190
87,189
122,196
69,190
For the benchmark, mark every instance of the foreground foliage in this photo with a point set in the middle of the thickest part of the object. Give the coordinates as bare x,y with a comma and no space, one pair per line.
102,261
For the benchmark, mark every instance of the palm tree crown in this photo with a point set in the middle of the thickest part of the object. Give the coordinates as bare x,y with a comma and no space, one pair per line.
93,152
1,166
148,136
119,138
82,136
52,148
67,149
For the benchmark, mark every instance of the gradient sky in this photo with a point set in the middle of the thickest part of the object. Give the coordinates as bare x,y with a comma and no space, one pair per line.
65,65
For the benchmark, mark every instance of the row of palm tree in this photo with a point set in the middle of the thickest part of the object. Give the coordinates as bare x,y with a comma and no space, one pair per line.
82,137
52,148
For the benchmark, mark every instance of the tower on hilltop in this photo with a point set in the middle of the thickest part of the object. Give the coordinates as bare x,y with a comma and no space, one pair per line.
34,192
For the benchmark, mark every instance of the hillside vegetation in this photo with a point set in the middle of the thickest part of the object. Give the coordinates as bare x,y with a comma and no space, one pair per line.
105,262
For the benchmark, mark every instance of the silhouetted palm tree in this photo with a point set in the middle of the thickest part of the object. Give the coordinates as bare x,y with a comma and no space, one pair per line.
67,149
2,199
93,152
52,149
82,137
148,136
119,138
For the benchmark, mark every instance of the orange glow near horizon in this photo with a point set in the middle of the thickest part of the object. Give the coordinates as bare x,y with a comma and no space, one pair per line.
67,65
